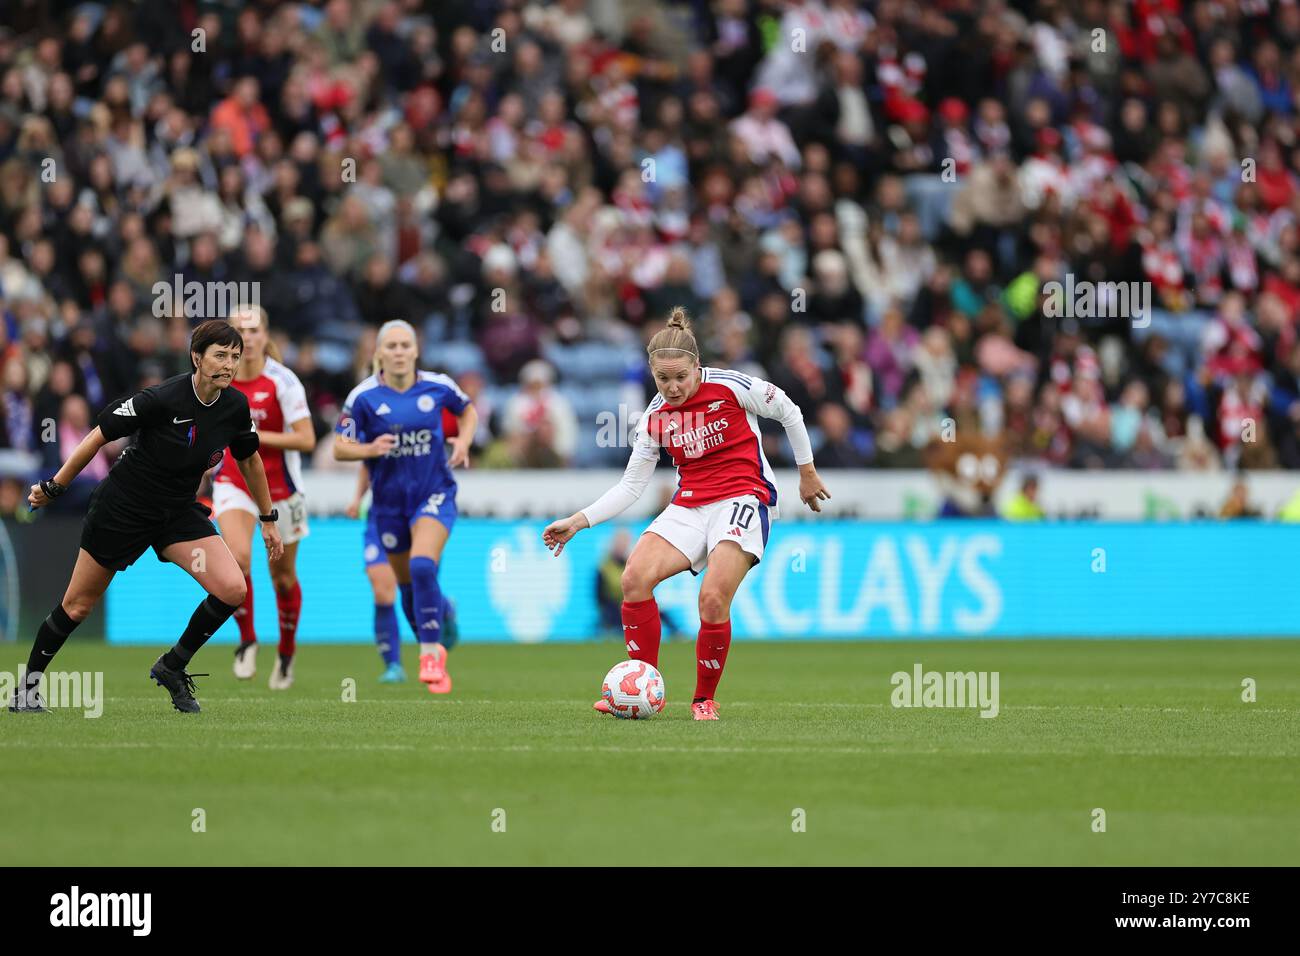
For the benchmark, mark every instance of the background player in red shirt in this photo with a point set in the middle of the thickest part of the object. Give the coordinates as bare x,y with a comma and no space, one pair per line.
278,405
707,420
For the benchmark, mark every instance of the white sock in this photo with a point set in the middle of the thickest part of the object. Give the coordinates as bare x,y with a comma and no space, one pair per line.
429,648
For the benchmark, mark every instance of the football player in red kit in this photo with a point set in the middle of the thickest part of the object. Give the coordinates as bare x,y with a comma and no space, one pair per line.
278,405
707,420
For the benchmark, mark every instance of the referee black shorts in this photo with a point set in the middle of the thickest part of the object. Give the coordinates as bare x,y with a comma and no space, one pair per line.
119,527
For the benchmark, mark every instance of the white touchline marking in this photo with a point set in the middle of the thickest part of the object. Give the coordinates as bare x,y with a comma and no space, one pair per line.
865,705
124,745
810,750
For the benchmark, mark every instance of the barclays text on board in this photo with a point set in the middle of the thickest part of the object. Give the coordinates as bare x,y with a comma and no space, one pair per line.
822,580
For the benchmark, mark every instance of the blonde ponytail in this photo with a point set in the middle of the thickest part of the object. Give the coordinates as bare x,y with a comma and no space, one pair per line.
675,337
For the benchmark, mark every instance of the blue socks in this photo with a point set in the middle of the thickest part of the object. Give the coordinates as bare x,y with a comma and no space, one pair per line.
387,637
408,606
428,600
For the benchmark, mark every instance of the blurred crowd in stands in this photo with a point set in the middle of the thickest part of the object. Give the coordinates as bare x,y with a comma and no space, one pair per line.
860,200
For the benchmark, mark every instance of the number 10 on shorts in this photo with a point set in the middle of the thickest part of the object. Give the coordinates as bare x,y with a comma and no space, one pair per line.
742,514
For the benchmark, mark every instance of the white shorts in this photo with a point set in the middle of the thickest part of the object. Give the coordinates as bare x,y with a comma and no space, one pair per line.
695,532
227,496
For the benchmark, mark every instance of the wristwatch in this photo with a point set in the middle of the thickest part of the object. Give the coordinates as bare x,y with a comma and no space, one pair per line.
273,516
52,488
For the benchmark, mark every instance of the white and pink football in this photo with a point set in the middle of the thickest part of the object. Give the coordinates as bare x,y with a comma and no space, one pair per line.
634,690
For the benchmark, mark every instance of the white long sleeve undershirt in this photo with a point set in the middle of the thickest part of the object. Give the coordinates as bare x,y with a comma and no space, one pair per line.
628,490
762,398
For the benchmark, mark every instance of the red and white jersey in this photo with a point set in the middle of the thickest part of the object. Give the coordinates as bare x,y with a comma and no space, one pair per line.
276,399
713,437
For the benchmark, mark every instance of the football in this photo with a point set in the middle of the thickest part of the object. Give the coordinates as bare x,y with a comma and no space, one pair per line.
634,690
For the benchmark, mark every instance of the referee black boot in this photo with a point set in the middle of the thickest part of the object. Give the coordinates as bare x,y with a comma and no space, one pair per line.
27,701
179,684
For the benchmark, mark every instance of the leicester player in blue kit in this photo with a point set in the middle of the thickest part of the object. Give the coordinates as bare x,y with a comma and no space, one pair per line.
384,587
393,423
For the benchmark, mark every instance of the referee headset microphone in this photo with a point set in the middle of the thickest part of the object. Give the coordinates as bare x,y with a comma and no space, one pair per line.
215,368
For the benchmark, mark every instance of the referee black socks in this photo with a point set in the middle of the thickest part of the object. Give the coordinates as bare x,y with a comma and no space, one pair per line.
53,632
207,618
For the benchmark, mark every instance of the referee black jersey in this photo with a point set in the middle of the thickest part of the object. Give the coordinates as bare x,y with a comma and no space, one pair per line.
178,438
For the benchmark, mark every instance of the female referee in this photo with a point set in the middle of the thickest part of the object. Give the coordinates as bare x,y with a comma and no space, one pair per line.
278,404
726,496
393,422
182,427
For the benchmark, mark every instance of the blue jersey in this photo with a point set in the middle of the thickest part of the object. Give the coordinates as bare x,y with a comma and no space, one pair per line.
415,470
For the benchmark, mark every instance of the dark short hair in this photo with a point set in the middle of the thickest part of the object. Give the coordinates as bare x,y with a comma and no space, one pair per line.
214,332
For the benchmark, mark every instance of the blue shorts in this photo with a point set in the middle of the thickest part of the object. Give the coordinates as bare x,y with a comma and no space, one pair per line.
394,531
374,551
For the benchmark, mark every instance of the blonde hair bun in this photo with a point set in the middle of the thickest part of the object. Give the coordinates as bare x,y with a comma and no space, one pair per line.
676,336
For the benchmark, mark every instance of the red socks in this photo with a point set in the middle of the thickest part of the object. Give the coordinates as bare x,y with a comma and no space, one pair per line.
244,615
641,633
710,657
289,604
641,630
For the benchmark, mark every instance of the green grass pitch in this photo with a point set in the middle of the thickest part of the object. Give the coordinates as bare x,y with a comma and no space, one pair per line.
1155,733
